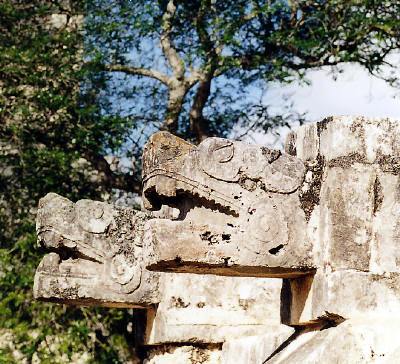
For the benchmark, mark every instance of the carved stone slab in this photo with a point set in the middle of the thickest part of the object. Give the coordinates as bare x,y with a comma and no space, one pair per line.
354,222
367,340
240,212
324,217
96,255
340,222
357,210
211,309
97,259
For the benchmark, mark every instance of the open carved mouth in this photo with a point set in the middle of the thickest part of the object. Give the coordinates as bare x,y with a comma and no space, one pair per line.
60,277
185,194
67,257
68,269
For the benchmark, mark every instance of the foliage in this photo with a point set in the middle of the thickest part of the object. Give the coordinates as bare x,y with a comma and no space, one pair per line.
192,67
71,95
46,127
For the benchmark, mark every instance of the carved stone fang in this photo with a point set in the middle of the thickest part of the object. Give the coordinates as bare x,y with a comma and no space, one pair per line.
183,185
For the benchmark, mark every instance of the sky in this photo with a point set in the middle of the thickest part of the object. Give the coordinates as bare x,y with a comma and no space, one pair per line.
355,92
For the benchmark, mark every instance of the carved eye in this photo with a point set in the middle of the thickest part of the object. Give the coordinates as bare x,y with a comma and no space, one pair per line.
222,153
217,159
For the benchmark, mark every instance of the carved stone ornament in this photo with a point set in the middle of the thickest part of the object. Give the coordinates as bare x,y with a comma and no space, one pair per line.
96,254
239,207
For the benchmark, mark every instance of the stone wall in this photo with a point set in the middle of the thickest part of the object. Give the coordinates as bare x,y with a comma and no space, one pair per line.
273,258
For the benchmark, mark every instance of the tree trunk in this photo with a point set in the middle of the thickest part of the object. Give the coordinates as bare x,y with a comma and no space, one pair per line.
175,102
198,124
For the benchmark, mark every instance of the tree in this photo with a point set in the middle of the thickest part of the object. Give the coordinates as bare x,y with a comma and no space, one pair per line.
73,94
192,52
50,133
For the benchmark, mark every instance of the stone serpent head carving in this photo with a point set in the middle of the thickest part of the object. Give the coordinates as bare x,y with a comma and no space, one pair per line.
96,252
226,192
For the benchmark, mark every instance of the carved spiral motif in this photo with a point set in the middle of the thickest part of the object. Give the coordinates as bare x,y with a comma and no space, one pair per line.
125,273
233,161
267,224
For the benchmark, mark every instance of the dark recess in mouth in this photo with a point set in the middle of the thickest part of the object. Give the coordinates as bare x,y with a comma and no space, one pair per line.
66,253
185,201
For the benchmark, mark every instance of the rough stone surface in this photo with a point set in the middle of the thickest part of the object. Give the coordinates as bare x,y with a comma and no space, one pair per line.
188,354
346,209
305,143
349,139
255,349
347,293
384,252
364,340
324,217
239,208
211,309
190,308
354,227
348,198
96,256
350,293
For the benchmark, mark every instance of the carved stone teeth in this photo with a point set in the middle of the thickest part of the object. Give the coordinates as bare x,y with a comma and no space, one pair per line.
161,185
50,260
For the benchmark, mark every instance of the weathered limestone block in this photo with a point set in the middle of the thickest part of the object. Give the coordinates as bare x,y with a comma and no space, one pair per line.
324,217
240,212
304,142
357,213
255,349
385,255
211,309
346,293
349,139
96,256
367,340
340,220
346,211
171,354
350,293
95,245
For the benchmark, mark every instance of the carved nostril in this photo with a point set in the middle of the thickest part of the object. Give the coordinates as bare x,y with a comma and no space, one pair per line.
49,239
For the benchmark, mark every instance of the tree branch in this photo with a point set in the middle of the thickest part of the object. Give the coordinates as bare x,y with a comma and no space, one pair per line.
137,71
198,123
176,97
169,51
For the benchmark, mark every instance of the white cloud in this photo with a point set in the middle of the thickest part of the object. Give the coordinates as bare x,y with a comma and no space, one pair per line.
354,92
